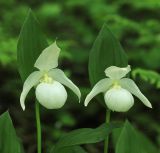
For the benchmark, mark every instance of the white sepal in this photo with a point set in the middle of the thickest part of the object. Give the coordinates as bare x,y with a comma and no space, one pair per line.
116,73
60,76
48,59
51,95
130,85
118,99
102,86
31,81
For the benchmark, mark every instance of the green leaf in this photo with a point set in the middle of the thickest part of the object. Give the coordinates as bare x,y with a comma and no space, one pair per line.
132,141
72,149
85,136
9,142
146,144
78,149
148,75
30,44
105,52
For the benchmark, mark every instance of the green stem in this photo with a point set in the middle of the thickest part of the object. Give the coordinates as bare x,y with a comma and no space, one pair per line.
38,123
108,113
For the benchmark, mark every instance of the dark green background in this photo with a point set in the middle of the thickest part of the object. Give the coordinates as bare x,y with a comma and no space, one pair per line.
75,24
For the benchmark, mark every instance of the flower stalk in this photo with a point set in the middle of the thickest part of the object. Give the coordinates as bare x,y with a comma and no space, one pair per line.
38,124
106,142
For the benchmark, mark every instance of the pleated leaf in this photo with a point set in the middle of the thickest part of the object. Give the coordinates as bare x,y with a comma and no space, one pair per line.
85,136
30,44
71,149
9,143
106,51
132,141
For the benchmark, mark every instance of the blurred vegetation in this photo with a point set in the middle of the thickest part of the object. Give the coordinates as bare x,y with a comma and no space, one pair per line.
76,24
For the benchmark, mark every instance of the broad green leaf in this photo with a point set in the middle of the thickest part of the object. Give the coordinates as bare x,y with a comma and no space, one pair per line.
106,51
72,149
132,141
85,136
9,142
146,144
79,149
30,44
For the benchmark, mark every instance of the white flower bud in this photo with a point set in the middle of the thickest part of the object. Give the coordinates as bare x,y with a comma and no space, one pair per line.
51,95
118,99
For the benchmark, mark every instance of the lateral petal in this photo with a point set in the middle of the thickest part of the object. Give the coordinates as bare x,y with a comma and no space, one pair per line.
130,85
60,76
31,81
102,86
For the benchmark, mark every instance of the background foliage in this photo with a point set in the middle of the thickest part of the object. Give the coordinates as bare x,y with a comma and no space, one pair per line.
76,24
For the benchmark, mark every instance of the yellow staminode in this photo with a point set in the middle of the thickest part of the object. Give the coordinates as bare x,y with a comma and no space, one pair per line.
46,79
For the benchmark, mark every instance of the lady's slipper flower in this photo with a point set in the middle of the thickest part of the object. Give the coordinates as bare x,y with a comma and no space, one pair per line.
48,81
117,90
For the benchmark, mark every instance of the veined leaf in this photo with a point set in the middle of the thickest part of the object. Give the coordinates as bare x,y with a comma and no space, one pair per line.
30,44
106,51
85,136
132,141
9,142
71,149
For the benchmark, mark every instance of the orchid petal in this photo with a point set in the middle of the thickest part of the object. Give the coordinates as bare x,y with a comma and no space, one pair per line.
48,59
31,81
115,72
60,76
102,86
130,85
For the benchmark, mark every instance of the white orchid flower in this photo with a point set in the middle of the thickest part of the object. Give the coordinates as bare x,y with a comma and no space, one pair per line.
117,90
48,81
